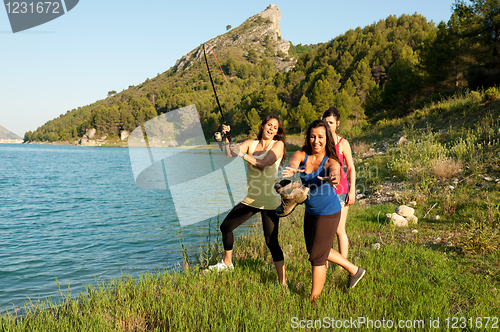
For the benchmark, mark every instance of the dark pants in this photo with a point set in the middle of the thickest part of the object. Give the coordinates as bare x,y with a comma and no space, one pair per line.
319,233
270,223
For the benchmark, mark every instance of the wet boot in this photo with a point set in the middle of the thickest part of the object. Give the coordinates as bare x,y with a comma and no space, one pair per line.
292,194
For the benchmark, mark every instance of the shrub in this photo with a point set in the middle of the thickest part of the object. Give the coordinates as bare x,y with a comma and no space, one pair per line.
446,168
475,96
491,94
360,148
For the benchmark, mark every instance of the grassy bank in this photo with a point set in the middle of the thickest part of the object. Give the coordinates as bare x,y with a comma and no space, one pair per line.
408,278
445,268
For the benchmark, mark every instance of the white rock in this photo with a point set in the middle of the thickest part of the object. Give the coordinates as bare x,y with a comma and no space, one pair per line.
402,140
413,219
91,133
124,135
414,231
436,240
398,220
451,187
375,246
436,217
488,179
405,211
412,203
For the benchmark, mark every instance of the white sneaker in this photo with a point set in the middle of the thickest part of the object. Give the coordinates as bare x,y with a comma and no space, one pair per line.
221,266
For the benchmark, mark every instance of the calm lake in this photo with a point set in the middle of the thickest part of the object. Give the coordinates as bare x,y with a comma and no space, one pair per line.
75,213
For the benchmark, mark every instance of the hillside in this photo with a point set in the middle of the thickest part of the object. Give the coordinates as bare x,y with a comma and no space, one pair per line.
382,71
7,134
249,54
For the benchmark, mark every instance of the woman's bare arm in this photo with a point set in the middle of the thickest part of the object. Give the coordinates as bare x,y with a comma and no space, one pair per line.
293,165
351,169
270,158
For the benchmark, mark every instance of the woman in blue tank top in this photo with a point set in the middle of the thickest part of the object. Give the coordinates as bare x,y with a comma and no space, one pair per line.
319,169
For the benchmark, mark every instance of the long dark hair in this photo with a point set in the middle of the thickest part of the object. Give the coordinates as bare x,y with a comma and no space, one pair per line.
332,111
330,143
280,135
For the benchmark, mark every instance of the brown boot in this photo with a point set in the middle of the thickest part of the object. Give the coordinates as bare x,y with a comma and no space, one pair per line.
292,194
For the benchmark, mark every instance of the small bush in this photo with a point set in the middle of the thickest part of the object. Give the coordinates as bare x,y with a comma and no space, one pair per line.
360,148
491,94
446,168
475,96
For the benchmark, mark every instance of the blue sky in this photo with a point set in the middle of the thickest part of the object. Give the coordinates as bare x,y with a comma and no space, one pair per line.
101,46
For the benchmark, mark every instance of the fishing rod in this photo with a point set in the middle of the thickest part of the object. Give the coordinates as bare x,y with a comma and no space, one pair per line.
218,136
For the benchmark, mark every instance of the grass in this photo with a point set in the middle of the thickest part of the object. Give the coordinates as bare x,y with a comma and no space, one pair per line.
438,269
408,279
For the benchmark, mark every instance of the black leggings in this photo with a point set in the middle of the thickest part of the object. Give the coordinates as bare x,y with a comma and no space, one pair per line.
270,223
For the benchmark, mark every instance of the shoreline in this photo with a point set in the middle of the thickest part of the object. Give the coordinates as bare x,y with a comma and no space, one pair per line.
293,143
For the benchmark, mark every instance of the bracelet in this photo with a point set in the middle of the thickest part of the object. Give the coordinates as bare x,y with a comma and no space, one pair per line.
243,156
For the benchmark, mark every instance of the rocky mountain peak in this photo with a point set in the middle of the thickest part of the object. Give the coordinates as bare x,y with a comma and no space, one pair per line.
273,14
258,32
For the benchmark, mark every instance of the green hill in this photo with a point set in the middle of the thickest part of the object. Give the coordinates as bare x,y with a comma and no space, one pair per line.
383,71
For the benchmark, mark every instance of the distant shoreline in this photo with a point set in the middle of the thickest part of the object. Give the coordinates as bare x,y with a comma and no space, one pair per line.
293,142
104,144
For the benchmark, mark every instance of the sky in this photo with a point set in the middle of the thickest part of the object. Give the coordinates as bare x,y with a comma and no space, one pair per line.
100,46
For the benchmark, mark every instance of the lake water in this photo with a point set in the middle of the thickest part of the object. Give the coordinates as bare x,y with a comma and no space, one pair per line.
76,214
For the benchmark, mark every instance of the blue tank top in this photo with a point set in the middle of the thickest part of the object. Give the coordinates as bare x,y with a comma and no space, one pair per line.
322,198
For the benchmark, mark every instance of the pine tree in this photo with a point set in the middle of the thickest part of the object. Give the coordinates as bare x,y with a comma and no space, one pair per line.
322,96
362,79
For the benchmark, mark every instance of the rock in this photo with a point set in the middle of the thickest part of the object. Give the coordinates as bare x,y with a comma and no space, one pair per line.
436,217
436,240
405,211
90,133
412,203
401,140
397,220
487,178
359,196
375,246
124,135
369,153
250,34
414,231
413,219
